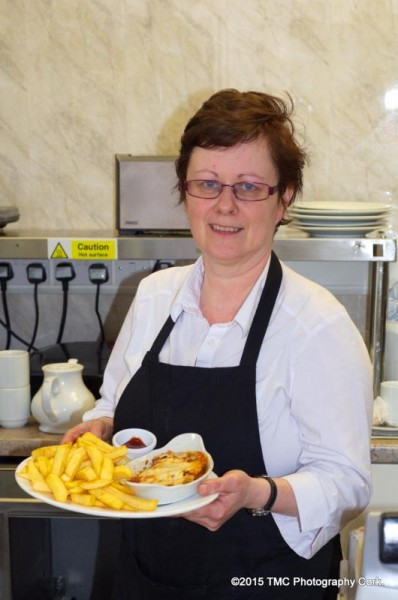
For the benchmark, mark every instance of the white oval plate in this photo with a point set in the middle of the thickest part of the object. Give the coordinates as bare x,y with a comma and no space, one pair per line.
194,502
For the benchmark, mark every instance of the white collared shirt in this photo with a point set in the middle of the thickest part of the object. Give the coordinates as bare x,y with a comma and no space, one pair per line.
313,387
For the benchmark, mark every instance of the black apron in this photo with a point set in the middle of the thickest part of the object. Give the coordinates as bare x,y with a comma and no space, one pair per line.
174,559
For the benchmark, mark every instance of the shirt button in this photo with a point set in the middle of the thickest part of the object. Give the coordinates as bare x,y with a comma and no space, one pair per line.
210,342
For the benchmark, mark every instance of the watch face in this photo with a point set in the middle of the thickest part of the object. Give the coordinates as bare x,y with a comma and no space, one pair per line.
258,512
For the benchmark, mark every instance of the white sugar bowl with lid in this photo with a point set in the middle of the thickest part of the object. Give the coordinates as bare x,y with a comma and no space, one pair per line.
63,397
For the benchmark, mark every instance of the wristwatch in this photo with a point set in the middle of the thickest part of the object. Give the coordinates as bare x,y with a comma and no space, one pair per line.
263,512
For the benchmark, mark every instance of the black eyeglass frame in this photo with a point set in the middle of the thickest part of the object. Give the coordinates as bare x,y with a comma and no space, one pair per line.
271,189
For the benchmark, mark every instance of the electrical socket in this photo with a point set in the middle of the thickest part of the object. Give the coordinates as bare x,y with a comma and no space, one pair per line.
81,268
20,278
123,274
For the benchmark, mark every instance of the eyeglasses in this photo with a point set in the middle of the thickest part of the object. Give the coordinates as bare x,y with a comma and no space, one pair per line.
247,191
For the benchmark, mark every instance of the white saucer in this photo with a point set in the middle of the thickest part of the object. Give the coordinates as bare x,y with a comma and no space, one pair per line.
341,207
338,231
384,431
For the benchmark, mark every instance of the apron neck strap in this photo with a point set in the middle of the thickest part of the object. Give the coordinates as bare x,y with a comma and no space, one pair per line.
162,337
263,312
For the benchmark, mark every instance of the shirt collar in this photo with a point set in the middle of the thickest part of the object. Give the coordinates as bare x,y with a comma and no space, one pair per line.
187,298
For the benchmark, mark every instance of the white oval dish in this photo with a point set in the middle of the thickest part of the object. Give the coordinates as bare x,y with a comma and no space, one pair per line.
186,442
174,509
124,435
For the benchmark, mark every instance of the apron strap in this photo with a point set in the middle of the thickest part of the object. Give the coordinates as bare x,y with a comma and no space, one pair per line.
162,337
263,313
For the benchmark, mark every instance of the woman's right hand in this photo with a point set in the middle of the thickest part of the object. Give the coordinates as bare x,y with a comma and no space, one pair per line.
101,427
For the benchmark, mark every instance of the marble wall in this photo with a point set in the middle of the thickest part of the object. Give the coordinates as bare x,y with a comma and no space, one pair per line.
83,80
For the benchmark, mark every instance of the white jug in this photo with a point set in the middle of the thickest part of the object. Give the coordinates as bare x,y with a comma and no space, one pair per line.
63,398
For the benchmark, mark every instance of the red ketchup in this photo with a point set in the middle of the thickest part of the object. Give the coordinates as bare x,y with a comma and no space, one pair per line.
135,442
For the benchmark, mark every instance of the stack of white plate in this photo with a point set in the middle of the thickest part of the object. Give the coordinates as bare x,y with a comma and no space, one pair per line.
339,219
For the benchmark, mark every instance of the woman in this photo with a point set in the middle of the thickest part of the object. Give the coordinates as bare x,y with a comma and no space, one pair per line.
264,364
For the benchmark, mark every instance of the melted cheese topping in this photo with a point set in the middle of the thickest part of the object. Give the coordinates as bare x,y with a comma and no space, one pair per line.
173,468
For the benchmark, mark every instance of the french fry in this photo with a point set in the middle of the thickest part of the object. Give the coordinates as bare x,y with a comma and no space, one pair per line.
83,499
71,485
76,490
57,487
60,459
99,503
117,453
139,504
86,474
47,451
36,477
121,472
88,439
93,485
44,465
40,486
123,488
96,457
107,469
108,499
74,462
89,472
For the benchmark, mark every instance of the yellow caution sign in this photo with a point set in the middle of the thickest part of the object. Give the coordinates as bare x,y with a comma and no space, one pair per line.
58,252
98,249
82,249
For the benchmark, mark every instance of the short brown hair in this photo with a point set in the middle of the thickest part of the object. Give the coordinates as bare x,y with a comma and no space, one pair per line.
230,117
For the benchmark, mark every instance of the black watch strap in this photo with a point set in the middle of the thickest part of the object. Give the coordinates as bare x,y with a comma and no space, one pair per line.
265,510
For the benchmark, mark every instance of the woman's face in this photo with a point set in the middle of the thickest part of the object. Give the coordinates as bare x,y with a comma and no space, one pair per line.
227,230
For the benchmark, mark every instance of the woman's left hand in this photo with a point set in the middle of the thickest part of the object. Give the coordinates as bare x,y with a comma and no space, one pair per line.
236,490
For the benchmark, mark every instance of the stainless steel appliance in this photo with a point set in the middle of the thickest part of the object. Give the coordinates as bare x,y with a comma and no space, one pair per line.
49,553
372,565
147,199
379,572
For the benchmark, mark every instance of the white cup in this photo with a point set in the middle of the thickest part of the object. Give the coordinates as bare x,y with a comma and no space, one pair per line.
14,407
389,393
14,368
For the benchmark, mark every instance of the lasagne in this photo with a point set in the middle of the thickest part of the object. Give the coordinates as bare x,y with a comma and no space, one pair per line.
173,468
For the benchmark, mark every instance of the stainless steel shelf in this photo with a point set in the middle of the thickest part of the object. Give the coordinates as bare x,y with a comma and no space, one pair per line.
28,244
378,251
337,249
332,249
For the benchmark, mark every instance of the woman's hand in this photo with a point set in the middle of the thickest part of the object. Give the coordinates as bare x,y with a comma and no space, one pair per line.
236,490
101,427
